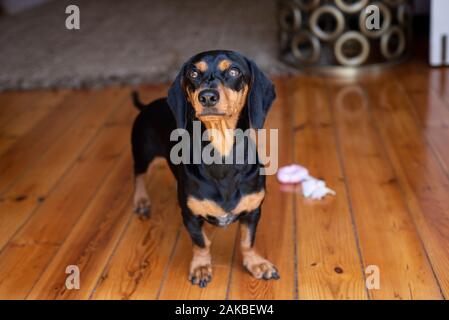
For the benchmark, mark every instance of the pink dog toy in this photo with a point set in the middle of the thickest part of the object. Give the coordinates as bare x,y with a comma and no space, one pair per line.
292,174
311,187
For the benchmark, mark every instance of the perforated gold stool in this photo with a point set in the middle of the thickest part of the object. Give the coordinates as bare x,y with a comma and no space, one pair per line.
333,37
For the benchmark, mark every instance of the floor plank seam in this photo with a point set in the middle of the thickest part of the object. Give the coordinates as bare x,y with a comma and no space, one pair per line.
403,193
348,195
170,259
428,140
113,252
295,248
443,98
88,203
231,269
293,130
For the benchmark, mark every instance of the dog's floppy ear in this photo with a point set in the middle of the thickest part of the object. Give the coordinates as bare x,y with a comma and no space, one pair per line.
177,101
260,96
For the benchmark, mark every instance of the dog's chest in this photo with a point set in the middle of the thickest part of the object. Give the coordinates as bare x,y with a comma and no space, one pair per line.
225,190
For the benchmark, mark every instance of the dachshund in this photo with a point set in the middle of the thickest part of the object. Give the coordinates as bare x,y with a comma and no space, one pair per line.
221,91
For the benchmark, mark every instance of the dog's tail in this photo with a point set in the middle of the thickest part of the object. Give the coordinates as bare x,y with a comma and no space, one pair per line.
137,103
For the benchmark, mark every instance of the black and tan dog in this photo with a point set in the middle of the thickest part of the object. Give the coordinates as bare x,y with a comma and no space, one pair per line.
223,90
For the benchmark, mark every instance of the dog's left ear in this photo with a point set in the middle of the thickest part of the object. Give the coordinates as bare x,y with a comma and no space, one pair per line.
260,97
177,101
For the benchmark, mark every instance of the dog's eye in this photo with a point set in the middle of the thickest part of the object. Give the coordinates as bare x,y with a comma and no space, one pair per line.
193,74
234,72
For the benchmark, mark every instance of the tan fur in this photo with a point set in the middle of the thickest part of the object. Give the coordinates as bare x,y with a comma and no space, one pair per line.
224,64
201,264
208,207
204,207
221,134
245,238
202,66
249,202
230,104
221,126
258,266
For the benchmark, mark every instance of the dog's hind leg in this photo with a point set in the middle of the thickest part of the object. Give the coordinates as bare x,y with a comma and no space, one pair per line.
143,155
141,200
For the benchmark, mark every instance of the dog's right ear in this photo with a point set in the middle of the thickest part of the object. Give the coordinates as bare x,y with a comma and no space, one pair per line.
177,101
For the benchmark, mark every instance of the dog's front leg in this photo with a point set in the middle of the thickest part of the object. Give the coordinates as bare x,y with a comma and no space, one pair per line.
200,272
258,266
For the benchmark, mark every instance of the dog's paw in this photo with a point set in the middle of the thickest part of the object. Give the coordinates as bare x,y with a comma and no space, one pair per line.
260,268
142,206
201,275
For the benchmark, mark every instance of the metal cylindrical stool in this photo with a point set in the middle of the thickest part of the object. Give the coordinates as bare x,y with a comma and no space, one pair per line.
344,36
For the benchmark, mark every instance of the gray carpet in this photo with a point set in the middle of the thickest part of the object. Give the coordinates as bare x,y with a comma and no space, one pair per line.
130,42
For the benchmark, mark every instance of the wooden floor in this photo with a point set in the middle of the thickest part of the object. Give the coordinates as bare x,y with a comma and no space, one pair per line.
381,142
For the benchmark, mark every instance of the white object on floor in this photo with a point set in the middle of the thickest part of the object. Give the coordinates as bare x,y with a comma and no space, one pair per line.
315,189
439,30
311,187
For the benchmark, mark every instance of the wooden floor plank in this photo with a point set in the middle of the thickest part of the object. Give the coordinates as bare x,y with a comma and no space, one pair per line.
439,82
12,103
139,262
92,239
423,180
29,252
388,237
74,118
429,108
274,239
30,147
40,176
25,116
329,266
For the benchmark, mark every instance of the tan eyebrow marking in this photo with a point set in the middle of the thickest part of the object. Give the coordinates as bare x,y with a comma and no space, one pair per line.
201,65
224,64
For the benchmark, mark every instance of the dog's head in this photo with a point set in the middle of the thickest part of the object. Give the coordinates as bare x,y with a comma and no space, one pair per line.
217,85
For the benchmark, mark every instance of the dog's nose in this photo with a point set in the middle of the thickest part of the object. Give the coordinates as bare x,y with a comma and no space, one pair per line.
209,97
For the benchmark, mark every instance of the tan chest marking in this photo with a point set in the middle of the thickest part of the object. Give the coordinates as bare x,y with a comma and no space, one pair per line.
249,202
205,208
221,135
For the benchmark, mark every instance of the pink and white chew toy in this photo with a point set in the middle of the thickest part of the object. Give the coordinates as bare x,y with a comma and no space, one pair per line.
311,187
